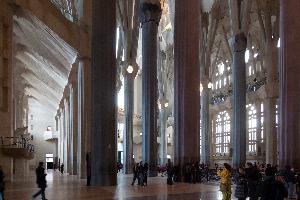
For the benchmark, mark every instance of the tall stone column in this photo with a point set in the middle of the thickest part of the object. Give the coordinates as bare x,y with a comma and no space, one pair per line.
129,73
289,94
271,65
271,134
71,128
61,134
6,81
65,138
150,17
259,124
205,124
163,104
163,137
104,73
186,82
84,114
239,100
75,122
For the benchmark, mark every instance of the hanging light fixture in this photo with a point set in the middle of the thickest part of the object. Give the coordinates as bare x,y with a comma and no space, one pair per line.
129,69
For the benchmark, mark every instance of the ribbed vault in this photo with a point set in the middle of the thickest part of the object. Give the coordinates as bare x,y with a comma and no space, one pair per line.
42,61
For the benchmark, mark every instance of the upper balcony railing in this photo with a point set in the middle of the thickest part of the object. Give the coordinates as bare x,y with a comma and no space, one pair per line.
67,8
17,147
49,135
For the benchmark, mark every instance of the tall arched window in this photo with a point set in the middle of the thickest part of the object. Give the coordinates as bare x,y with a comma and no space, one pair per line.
252,128
222,133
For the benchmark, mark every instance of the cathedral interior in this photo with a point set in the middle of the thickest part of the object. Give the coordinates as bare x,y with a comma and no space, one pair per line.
92,83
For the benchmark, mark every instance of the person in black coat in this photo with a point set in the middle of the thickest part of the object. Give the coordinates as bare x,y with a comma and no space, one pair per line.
170,172
135,172
145,170
254,178
290,180
62,168
271,188
41,181
2,185
241,189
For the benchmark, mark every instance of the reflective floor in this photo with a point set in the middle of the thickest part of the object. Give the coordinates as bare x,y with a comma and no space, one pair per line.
69,187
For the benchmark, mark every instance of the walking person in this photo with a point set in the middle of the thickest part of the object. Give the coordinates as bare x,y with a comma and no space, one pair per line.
145,171
225,185
62,168
2,185
135,172
41,181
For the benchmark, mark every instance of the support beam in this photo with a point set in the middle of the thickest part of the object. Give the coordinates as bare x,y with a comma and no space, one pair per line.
6,81
187,82
104,73
289,94
239,100
150,17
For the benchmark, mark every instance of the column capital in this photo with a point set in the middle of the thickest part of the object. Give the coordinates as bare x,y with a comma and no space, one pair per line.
239,42
150,12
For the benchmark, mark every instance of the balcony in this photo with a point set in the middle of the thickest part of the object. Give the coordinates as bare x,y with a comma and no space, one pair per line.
17,147
50,136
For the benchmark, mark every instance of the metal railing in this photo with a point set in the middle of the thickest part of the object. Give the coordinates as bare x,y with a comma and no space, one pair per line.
17,142
222,96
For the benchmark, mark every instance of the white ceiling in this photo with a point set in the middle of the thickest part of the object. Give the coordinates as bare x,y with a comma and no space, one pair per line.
42,61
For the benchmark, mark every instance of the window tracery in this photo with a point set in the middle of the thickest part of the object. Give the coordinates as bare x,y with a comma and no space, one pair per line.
222,133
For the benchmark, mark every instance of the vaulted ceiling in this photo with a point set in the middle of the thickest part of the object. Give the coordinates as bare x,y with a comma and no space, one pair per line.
42,61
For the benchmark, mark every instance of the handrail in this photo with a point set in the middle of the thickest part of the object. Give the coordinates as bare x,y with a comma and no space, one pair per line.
17,142
222,96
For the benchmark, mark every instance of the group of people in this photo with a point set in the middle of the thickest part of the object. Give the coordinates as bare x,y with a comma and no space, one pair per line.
191,172
268,182
140,173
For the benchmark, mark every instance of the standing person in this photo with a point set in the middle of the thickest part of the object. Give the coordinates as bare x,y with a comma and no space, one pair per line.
272,189
170,172
135,172
41,181
141,174
193,174
2,185
62,168
225,185
88,169
290,179
253,177
241,189
145,170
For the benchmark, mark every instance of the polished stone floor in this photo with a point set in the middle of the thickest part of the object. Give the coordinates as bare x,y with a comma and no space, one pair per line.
70,188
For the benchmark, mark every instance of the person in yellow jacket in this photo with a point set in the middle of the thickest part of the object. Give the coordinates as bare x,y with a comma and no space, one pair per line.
225,183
